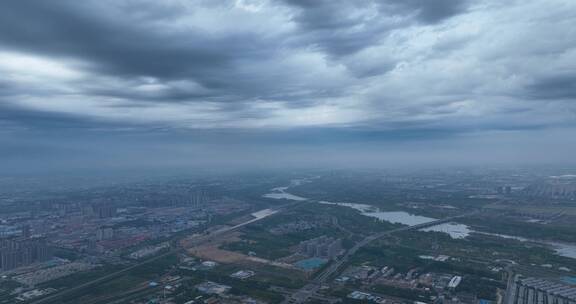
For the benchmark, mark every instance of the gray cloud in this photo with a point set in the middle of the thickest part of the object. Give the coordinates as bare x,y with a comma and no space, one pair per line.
317,71
118,45
431,11
341,27
560,86
345,27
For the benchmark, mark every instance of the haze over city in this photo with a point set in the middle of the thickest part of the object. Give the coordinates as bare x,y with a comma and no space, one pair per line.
287,152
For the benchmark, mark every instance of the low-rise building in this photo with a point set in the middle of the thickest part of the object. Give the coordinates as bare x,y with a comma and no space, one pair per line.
213,288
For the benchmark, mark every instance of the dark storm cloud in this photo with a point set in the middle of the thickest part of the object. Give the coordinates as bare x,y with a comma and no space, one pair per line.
345,27
561,86
123,45
62,28
431,12
123,41
280,72
339,27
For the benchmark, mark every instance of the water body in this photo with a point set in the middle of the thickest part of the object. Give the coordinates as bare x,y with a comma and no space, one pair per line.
567,250
455,230
396,217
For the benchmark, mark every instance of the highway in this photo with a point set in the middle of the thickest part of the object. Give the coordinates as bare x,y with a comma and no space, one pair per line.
56,298
299,296
311,288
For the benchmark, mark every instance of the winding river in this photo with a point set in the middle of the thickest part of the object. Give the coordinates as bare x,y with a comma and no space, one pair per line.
455,230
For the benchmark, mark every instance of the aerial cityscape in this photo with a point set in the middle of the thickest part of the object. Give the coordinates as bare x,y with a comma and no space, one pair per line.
288,152
433,236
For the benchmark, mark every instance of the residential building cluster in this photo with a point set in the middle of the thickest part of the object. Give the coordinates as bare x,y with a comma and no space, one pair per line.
540,291
322,247
22,251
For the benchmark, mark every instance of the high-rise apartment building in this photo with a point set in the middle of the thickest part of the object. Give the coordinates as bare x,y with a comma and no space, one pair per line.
22,251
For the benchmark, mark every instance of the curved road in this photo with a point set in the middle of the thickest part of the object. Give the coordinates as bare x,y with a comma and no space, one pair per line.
311,288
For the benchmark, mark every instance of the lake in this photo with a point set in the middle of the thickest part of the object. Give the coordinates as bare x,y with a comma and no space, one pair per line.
455,230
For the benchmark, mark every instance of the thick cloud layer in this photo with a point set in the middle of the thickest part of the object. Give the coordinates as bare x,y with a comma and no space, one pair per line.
394,68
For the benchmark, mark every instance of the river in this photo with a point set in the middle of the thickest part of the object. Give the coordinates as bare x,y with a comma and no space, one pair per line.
455,230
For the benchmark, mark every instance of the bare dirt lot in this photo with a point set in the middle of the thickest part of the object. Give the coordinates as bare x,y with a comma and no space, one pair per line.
212,251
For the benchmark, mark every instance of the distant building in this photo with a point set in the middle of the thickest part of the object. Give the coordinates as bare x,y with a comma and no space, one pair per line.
87,211
243,274
99,210
209,264
212,288
92,246
538,291
26,231
16,252
9,231
504,190
555,188
454,282
105,233
322,247
105,211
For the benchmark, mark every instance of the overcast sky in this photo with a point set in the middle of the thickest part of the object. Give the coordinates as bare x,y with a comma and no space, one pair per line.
113,83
